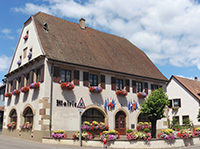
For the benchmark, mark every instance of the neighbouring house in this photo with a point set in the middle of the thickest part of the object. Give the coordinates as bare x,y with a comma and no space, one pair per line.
2,91
184,96
57,62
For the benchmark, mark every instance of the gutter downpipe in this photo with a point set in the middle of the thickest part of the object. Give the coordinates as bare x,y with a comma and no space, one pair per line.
51,98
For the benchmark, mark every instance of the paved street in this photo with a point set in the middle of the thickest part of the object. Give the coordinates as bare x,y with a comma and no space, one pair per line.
15,143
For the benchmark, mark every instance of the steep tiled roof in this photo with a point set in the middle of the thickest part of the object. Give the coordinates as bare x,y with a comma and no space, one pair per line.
192,86
66,41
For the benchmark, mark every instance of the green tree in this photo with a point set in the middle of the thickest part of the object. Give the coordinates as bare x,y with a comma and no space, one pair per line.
198,116
154,108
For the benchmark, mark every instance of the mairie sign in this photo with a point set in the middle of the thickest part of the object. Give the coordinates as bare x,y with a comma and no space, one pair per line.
81,104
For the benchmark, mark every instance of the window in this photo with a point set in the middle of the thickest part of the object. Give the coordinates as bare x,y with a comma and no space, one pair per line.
175,103
25,52
38,75
65,75
13,116
92,115
154,87
11,86
120,84
93,80
27,79
28,115
186,120
139,87
176,119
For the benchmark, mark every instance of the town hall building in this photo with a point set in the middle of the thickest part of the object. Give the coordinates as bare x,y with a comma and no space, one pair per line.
57,62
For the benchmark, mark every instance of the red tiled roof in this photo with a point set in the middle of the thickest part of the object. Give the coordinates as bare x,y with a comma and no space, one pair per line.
193,86
66,41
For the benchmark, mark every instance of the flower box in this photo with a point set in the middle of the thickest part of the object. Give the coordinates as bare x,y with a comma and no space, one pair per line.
175,108
94,126
26,126
29,55
167,134
138,136
85,135
67,85
25,37
16,92
11,125
141,95
8,94
142,125
59,134
24,89
95,89
121,92
34,85
109,135
185,134
19,62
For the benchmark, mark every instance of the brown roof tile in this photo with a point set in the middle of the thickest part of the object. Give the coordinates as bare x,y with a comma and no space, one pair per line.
66,41
192,86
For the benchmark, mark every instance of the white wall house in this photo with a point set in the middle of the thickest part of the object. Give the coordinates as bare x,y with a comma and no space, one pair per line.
52,50
184,96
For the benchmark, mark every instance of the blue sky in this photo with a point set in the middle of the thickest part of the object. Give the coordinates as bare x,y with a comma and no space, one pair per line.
167,31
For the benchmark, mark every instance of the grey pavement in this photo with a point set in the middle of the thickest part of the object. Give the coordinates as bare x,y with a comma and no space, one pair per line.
15,143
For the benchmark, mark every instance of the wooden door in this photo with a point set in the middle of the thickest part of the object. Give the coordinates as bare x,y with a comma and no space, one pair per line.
120,123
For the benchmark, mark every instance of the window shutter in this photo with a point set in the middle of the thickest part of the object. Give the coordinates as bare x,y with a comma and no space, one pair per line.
14,84
56,74
146,87
22,80
76,77
42,74
85,78
179,102
113,83
170,104
134,86
31,77
103,79
127,84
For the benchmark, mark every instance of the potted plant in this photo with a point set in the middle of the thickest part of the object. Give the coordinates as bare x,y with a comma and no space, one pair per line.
95,89
34,85
84,135
121,92
24,89
29,55
59,134
27,126
8,94
109,135
141,95
11,125
175,108
25,37
16,92
67,85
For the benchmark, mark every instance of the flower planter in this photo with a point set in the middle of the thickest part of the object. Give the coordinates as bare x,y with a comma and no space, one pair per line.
16,92
95,89
59,134
26,126
29,55
121,92
19,62
34,85
139,136
25,37
85,135
109,135
67,85
8,94
175,108
24,89
141,95
11,125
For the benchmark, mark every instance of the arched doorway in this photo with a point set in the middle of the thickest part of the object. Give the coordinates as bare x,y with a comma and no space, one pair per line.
13,116
120,122
93,114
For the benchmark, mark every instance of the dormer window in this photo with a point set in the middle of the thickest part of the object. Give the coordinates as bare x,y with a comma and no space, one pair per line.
26,36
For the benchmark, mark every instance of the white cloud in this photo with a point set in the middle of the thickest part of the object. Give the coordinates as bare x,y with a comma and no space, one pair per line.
191,78
6,33
5,63
168,31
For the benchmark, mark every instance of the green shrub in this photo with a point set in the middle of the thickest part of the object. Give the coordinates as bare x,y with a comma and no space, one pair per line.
129,130
146,130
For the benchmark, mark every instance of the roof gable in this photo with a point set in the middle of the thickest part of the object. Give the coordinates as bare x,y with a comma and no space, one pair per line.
192,86
66,41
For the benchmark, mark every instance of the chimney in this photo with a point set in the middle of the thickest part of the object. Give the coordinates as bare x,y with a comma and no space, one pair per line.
82,23
195,78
